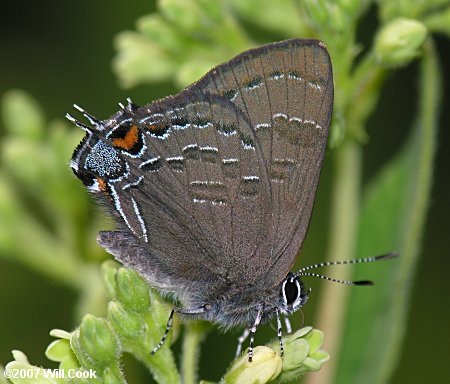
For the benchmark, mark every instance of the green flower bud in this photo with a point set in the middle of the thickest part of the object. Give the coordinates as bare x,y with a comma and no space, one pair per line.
320,356
22,115
94,344
60,334
20,357
109,269
399,42
266,366
193,69
316,13
60,351
196,16
83,376
301,353
128,324
315,340
351,7
160,32
140,60
309,364
112,376
16,154
33,374
132,290
280,16
69,362
296,350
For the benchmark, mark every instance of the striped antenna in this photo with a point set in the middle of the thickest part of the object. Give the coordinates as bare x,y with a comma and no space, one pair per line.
302,272
72,119
96,124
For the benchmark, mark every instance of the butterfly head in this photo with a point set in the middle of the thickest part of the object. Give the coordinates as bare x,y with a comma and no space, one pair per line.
293,294
102,156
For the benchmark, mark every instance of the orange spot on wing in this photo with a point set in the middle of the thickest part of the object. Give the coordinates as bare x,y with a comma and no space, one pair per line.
101,184
158,129
130,139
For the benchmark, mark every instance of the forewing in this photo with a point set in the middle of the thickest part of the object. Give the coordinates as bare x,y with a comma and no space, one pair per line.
197,193
286,91
216,185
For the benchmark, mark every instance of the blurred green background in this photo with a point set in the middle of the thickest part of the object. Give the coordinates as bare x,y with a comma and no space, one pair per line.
61,53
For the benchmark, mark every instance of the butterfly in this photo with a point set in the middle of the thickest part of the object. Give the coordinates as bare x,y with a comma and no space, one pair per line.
213,188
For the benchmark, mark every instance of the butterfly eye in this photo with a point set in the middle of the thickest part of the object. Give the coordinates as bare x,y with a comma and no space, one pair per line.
292,291
86,177
293,295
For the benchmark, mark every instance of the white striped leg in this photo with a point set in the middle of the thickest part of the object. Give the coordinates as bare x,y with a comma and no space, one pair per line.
241,340
252,335
183,311
279,332
287,323
166,332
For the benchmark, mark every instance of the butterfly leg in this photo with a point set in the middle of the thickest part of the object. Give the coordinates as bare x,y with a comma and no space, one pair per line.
241,340
183,311
252,335
166,332
280,332
287,323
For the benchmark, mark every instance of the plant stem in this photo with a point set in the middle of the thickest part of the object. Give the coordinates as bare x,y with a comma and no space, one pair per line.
343,230
425,134
161,365
193,336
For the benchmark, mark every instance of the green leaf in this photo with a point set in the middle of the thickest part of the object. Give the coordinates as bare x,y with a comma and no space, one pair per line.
393,218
